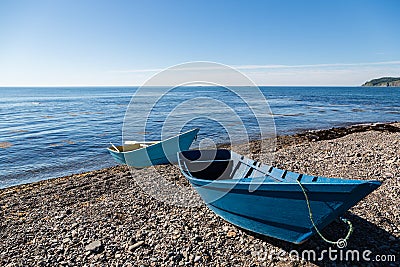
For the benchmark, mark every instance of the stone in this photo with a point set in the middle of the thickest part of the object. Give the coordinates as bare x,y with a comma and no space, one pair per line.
74,233
390,161
178,257
197,259
231,234
95,247
388,175
135,246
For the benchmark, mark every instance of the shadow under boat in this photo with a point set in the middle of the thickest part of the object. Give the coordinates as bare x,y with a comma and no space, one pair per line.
366,238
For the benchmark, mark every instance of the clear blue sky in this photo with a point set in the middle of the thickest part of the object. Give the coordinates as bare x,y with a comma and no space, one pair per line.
67,42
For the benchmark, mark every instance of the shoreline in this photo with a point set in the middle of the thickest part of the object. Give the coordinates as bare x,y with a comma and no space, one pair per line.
281,141
341,131
103,217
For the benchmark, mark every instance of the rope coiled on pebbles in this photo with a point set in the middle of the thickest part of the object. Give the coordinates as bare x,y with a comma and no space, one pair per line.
340,241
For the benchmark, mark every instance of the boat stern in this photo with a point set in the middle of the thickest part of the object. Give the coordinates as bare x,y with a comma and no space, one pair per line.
118,156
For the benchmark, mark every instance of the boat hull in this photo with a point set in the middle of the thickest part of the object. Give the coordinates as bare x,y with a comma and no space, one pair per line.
163,152
280,210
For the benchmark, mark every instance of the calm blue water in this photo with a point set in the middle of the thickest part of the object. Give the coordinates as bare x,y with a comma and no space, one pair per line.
51,132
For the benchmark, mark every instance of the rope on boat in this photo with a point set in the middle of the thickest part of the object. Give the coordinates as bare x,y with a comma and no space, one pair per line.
342,242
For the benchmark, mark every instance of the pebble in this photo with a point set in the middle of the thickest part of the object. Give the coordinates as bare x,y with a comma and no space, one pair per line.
209,234
95,246
388,175
197,259
231,234
135,246
390,161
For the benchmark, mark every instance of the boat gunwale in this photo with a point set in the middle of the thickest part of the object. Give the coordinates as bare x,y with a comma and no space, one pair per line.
252,182
150,146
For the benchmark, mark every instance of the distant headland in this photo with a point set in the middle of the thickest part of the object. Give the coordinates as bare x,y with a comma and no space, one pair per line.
383,82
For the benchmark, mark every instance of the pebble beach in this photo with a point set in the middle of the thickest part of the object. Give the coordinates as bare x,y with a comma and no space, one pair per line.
104,218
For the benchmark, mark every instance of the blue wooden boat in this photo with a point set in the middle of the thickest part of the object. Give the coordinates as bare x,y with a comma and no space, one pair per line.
268,200
144,154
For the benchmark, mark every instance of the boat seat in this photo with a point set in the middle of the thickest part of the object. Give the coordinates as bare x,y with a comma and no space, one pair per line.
251,169
255,170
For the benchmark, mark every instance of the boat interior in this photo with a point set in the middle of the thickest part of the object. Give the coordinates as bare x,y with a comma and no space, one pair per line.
224,164
131,145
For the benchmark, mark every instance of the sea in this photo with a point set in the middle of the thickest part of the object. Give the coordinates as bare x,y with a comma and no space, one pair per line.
48,132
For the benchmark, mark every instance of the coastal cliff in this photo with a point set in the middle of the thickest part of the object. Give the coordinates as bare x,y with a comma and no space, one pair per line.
384,82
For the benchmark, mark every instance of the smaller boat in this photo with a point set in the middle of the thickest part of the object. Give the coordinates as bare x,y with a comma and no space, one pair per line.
267,200
144,154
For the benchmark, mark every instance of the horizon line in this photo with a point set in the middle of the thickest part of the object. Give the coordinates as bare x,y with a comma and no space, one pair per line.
53,86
